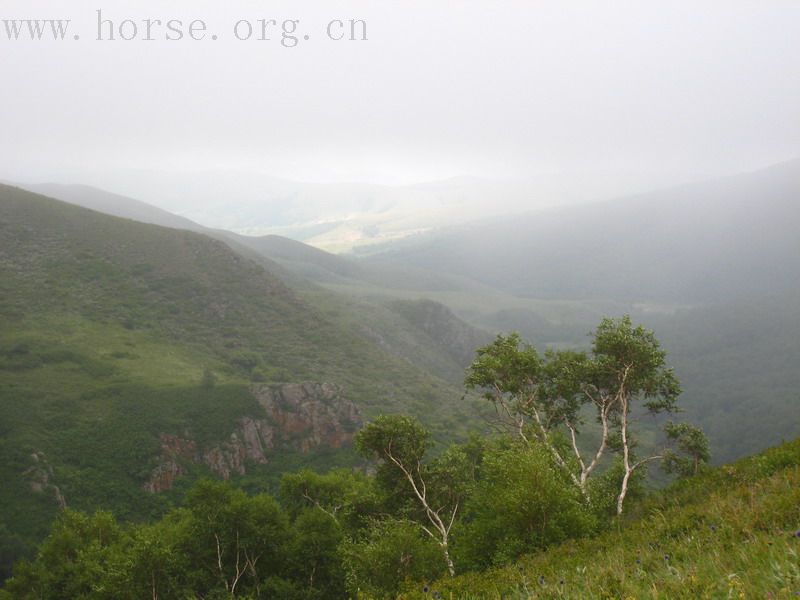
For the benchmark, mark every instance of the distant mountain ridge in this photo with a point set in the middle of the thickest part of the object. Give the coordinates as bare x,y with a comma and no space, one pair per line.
297,263
732,238
271,246
112,204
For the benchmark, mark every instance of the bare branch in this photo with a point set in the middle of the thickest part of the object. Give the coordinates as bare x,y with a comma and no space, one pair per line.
330,513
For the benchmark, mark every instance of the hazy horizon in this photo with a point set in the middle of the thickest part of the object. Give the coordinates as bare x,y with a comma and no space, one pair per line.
516,91
428,116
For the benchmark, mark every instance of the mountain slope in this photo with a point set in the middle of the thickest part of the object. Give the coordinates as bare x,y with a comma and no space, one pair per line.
693,263
112,204
130,351
372,311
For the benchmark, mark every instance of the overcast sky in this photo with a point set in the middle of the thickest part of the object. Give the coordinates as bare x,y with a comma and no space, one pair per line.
495,88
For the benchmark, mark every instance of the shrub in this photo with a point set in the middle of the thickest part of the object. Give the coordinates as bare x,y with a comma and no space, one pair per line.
522,503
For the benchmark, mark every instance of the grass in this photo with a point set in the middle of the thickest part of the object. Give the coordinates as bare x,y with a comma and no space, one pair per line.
733,532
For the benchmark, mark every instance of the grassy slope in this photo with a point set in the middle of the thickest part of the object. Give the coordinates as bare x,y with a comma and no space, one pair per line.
729,533
107,327
402,329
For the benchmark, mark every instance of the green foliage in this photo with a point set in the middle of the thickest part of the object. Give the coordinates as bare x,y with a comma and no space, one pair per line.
315,562
546,396
692,442
12,548
506,366
149,562
434,491
72,560
727,531
347,497
233,537
396,436
223,544
399,444
631,354
521,503
394,552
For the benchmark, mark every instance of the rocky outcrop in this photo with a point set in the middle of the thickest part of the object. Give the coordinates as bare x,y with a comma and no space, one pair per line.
302,417
309,415
40,478
175,452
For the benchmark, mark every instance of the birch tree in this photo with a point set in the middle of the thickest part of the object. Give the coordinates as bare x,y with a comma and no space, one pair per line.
536,396
234,540
631,368
624,377
690,452
400,443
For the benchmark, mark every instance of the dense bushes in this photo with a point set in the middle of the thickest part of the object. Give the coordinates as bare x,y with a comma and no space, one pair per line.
393,552
345,534
331,535
521,504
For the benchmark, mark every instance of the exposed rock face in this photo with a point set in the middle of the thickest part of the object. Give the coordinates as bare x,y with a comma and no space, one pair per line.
175,451
309,415
301,416
40,477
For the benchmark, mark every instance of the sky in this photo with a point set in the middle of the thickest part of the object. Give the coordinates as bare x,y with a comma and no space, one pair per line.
503,90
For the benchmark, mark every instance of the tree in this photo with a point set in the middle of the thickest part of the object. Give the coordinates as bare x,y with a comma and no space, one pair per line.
326,509
147,564
401,442
536,396
347,497
631,367
692,443
313,556
232,539
71,562
625,374
12,549
392,552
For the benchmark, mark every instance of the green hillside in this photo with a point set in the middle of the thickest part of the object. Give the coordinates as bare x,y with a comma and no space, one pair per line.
369,306
733,532
116,332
